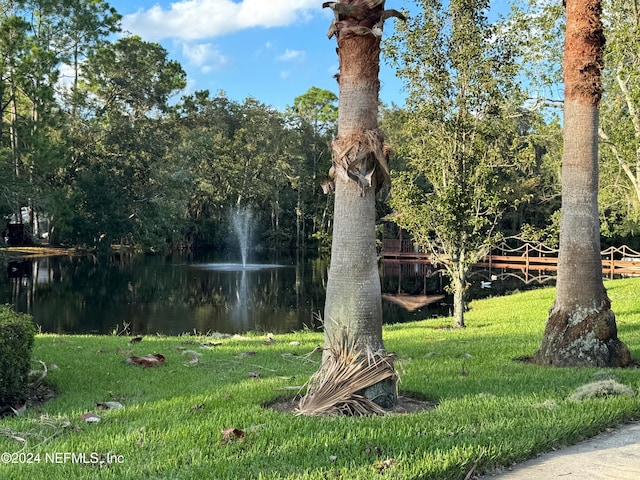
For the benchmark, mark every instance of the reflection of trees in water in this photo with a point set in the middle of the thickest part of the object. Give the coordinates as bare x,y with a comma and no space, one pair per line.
155,294
411,278
166,295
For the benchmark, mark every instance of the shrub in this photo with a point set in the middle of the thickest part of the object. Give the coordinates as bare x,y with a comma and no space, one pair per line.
16,340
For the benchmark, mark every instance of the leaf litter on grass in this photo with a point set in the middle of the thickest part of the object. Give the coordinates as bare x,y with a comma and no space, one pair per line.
148,360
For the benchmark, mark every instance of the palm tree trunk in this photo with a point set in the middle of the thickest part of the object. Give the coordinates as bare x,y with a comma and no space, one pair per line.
581,328
353,300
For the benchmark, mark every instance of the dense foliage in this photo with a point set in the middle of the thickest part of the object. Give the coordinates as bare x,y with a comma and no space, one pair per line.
96,149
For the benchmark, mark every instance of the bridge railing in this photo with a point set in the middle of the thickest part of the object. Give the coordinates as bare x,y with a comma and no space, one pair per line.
526,257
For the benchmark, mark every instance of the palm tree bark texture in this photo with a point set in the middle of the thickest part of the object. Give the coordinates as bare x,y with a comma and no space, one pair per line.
581,329
353,299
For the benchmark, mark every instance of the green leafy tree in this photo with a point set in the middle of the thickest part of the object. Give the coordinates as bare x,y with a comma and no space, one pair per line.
121,168
31,119
619,126
581,329
459,139
241,155
33,37
315,116
81,27
132,77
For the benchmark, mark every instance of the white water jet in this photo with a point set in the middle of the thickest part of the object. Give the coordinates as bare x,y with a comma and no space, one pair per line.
241,224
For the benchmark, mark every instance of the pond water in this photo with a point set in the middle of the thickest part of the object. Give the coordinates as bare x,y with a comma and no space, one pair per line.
183,294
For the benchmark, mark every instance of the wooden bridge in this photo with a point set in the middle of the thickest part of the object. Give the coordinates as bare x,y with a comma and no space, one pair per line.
616,261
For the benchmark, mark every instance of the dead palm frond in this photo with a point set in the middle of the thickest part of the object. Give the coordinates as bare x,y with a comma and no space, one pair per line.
336,388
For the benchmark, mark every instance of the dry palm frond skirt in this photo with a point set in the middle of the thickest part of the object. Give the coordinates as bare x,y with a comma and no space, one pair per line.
336,388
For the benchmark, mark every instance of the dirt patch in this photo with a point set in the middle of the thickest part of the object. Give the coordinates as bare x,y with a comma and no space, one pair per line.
404,404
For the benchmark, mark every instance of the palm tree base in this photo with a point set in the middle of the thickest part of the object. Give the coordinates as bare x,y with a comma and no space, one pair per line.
575,338
351,382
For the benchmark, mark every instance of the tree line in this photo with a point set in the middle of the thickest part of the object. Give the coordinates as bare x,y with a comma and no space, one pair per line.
100,145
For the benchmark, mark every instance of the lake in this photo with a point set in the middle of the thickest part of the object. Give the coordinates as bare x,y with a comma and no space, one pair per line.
172,295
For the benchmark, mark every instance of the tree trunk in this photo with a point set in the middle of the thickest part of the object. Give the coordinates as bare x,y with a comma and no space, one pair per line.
458,285
581,328
353,300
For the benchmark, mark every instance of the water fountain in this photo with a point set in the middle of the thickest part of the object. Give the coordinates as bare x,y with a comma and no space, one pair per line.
241,220
240,273
241,223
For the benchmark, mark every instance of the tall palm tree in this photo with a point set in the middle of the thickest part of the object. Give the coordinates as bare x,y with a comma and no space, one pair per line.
581,328
353,305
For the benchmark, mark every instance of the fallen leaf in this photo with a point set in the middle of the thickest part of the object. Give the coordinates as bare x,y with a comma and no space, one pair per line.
195,408
246,354
90,417
19,409
18,439
100,350
254,374
231,434
109,405
149,360
382,465
195,358
135,340
295,343
211,344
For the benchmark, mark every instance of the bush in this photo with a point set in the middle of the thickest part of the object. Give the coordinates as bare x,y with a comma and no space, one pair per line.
16,340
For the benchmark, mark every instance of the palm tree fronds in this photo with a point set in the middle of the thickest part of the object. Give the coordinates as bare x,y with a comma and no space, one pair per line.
336,388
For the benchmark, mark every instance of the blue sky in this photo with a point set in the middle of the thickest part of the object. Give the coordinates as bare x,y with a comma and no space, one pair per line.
271,50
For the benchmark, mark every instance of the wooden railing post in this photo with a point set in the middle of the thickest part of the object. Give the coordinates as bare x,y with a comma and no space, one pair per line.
611,266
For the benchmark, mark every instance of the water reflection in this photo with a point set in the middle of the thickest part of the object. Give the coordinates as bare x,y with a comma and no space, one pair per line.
174,295
169,295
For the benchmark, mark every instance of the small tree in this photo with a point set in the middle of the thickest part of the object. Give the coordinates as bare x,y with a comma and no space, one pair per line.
459,153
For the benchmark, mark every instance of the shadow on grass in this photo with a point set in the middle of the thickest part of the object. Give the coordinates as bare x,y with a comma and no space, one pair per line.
407,402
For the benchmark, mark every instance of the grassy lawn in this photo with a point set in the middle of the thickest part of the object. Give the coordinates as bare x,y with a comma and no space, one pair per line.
492,410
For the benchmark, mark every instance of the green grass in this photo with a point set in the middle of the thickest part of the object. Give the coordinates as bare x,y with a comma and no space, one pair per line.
492,410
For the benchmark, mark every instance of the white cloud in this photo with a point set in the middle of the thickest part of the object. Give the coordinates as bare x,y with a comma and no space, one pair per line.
264,48
194,19
204,55
291,56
